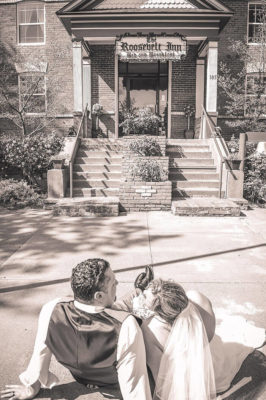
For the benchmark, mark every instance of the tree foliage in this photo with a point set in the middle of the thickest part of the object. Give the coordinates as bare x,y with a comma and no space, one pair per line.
22,80
245,90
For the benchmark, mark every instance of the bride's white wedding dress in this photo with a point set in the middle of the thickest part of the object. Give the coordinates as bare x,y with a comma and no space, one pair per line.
233,341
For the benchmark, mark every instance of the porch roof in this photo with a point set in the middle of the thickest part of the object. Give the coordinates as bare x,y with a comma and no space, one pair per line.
102,18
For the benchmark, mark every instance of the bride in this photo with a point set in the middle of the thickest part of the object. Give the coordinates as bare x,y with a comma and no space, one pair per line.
187,359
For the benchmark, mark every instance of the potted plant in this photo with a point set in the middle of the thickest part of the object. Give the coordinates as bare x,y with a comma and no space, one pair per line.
97,110
189,112
232,161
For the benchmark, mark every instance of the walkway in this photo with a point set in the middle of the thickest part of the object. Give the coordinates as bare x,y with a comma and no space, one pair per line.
222,257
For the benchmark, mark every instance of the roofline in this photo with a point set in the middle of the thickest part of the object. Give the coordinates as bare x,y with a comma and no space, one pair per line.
217,5
120,11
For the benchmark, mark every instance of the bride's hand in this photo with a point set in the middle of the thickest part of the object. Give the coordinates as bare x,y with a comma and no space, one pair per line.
20,392
144,278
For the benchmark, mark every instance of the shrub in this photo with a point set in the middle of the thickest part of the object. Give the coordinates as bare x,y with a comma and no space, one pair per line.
142,122
148,170
31,154
18,194
255,178
145,146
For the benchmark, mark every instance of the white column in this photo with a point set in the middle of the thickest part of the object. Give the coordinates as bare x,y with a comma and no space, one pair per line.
116,98
77,76
87,83
211,79
169,102
200,67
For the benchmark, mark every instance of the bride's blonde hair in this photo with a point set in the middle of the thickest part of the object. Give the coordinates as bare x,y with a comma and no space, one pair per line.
170,299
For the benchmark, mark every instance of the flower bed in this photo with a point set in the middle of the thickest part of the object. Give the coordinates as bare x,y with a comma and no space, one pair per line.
145,186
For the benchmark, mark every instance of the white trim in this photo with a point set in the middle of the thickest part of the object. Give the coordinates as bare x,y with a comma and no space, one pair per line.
169,100
252,23
126,27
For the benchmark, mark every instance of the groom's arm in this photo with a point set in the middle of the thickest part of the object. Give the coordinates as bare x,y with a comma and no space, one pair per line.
37,373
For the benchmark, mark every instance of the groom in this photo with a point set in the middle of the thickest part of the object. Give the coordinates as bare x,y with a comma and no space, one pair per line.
99,345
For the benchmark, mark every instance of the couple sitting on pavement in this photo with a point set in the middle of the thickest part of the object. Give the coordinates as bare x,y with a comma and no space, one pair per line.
104,342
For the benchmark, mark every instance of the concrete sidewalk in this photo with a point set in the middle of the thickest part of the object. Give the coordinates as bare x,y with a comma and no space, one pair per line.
222,257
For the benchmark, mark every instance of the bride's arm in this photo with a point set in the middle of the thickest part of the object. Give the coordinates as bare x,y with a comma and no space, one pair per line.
204,306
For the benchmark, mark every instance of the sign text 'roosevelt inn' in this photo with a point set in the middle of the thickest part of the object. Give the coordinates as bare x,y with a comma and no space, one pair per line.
149,48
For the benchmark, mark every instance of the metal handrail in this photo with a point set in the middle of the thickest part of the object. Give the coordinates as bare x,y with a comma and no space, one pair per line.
83,126
216,132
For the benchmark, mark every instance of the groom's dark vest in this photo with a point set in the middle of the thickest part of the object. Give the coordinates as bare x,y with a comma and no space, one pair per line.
86,344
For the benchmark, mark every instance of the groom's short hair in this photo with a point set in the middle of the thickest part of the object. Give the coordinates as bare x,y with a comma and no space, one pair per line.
88,277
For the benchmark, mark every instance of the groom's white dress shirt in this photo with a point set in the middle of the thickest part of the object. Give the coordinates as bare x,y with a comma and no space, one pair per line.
131,355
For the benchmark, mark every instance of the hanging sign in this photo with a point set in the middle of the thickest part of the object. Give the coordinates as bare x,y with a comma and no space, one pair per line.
151,48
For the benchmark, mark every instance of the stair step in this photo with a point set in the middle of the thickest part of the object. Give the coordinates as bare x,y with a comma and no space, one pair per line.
95,192
186,176
189,154
184,142
188,147
195,192
205,207
95,183
199,184
98,160
195,169
99,153
97,175
102,144
191,162
82,207
97,168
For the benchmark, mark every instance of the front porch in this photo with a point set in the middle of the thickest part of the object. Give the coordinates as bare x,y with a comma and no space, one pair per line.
164,81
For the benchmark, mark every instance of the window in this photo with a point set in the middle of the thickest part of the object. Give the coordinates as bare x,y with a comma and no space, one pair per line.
255,18
30,23
32,93
255,93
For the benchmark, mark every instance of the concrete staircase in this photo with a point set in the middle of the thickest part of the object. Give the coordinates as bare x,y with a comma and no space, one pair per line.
192,169
97,168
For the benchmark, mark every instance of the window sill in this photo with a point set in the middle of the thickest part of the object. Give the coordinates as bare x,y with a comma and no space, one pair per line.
31,44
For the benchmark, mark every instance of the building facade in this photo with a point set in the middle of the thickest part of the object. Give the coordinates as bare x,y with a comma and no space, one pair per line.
117,54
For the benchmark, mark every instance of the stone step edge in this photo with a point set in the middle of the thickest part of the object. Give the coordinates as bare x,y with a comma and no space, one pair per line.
82,200
194,167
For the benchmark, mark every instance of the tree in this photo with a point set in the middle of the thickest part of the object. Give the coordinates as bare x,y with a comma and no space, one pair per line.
30,98
245,92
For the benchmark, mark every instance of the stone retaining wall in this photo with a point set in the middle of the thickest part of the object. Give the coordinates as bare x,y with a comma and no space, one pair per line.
145,196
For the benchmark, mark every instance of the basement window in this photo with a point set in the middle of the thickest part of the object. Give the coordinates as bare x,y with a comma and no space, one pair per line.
31,23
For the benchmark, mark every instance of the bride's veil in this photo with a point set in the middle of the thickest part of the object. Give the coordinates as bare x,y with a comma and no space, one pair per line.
186,370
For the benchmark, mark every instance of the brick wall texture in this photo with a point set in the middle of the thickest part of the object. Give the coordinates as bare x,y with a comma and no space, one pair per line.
235,29
57,52
142,196
183,91
103,86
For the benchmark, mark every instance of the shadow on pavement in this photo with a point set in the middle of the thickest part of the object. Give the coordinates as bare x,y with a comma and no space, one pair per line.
158,264
73,390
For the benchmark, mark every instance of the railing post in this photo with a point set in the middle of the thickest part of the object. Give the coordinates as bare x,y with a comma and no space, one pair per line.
71,179
85,123
242,149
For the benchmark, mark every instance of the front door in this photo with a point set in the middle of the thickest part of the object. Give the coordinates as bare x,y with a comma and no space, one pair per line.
144,85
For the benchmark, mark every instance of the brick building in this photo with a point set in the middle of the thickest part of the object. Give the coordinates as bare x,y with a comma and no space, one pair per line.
163,54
